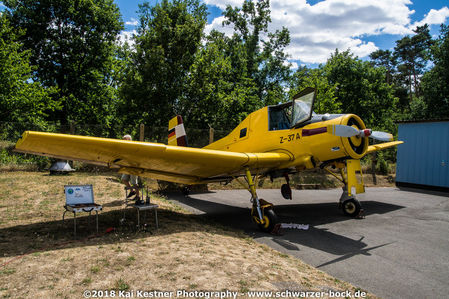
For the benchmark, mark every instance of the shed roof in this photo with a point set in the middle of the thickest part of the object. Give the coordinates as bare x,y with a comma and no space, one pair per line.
422,121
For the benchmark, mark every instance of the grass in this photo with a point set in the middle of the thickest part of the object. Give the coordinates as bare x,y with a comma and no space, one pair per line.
40,259
121,285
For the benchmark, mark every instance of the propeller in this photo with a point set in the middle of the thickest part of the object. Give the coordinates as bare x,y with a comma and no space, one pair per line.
348,131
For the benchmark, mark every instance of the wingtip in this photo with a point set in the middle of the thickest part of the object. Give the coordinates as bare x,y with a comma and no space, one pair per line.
21,139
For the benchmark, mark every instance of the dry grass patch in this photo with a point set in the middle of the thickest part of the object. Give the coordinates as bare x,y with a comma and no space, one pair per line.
187,252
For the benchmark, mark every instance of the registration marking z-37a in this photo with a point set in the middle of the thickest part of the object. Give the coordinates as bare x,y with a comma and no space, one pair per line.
289,138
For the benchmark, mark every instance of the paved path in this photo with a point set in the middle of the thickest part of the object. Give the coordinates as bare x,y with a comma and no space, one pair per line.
400,250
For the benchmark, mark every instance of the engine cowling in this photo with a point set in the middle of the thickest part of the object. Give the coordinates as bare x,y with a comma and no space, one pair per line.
355,146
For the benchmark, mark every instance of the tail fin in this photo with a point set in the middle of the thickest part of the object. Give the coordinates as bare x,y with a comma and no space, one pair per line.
176,132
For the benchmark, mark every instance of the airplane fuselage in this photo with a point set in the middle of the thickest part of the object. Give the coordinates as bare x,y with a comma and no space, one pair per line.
307,145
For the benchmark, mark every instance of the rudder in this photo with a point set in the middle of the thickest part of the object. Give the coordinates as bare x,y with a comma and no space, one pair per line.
176,132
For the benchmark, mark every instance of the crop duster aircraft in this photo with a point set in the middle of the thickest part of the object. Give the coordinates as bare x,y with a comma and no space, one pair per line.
274,141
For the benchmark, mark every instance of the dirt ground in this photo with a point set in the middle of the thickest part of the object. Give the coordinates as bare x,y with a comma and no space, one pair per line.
39,258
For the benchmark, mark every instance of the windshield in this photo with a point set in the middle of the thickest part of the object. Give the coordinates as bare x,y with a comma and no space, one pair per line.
280,117
302,106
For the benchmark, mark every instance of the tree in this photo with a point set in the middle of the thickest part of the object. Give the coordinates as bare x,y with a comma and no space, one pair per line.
386,59
326,100
266,61
435,83
169,35
218,92
413,54
72,43
23,103
362,90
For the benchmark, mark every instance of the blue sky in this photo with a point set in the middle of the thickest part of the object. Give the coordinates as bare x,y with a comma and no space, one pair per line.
317,28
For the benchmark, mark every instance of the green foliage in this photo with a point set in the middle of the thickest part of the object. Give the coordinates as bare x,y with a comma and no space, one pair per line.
218,93
326,100
418,110
7,157
362,90
233,76
72,43
265,60
435,83
168,38
21,99
413,54
382,166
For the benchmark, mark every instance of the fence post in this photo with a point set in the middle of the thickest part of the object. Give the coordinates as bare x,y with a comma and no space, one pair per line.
211,135
142,132
72,127
72,132
373,167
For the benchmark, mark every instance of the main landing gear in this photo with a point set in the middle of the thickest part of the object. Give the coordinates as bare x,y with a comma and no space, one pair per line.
262,212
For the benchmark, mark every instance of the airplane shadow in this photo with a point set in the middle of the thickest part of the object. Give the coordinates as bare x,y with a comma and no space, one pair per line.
315,215
55,235
25,239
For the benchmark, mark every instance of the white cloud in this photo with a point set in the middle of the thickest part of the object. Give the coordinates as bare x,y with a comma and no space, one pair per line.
127,36
317,30
434,17
222,4
292,64
217,24
133,22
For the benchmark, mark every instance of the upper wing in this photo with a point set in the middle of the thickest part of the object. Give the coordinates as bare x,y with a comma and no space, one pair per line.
160,161
381,146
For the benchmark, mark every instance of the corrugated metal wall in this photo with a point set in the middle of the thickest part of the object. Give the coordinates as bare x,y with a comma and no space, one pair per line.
424,157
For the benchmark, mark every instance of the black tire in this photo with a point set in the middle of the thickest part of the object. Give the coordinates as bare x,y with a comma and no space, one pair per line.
269,221
351,207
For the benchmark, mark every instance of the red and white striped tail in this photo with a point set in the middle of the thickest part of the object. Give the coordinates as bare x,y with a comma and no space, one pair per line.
176,132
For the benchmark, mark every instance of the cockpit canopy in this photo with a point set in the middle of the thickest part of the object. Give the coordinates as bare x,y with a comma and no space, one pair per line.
294,113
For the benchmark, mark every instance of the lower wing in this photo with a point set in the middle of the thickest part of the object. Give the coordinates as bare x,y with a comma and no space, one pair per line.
381,146
156,160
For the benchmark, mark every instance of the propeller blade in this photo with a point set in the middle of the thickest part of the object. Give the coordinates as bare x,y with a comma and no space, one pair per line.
381,136
347,131
343,131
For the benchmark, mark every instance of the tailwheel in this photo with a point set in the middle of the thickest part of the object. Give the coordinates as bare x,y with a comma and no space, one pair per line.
351,207
269,220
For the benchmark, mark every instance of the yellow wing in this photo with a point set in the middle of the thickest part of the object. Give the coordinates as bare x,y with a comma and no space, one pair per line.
381,146
159,161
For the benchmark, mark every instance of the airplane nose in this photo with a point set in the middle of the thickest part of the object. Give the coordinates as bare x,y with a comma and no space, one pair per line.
355,146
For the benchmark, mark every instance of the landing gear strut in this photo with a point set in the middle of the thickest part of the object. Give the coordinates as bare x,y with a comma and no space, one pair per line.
348,203
262,212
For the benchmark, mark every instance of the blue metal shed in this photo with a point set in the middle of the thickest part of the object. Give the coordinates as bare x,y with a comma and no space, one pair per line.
423,159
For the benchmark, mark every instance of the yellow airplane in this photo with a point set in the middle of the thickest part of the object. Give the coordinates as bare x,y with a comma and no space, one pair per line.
273,141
